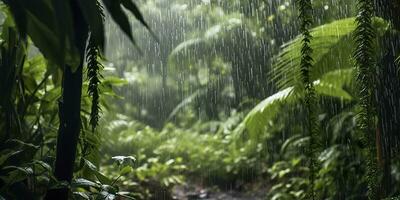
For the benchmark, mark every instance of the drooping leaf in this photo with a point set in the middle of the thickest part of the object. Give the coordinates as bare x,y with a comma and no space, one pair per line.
132,7
93,13
63,23
119,16
128,4
265,112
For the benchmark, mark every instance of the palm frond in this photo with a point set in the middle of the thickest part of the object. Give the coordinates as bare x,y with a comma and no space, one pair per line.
331,51
330,85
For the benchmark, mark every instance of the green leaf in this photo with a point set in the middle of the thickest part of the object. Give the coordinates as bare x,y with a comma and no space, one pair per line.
82,195
14,176
81,182
48,23
93,14
114,81
23,144
110,189
332,83
128,4
119,16
63,22
125,196
124,159
331,51
131,6
93,169
26,170
43,164
126,170
5,154
265,112
332,46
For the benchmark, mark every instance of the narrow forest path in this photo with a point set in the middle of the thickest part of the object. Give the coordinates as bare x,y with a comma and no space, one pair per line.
198,193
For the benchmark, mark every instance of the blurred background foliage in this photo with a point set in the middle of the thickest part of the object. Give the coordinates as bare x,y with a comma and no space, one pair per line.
213,100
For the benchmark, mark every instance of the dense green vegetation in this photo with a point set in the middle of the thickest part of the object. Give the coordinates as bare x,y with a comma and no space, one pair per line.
210,99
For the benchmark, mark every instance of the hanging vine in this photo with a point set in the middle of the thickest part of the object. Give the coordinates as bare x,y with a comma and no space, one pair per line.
306,63
364,57
93,73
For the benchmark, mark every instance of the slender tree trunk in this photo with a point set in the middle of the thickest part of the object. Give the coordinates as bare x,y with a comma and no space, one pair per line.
69,110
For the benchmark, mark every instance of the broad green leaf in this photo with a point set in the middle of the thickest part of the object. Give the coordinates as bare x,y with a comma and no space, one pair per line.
14,176
93,169
332,46
265,112
332,83
126,170
330,42
63,24
43,164
5,154
114,81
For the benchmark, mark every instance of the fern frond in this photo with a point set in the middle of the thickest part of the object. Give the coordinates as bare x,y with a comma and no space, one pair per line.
364,56
94,68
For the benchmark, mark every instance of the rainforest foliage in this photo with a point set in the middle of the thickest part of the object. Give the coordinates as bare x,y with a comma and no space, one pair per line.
190,99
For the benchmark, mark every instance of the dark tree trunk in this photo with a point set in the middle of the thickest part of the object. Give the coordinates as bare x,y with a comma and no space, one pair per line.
388,93
69,110
388,107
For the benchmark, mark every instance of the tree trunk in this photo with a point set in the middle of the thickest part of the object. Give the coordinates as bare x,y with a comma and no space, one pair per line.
388,107
69,110
388,93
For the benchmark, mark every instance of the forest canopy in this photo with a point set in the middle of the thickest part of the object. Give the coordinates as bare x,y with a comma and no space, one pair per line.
199,99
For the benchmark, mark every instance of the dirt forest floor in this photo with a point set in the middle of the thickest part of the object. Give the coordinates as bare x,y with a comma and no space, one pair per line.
199,193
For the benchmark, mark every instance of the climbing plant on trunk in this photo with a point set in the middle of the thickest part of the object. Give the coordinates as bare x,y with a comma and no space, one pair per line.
364,57
306,63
